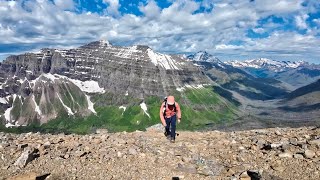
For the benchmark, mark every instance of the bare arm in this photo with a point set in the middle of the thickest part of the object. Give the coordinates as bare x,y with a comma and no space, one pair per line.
161,114
178,110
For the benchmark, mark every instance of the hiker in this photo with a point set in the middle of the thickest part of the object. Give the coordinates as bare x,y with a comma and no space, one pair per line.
169,111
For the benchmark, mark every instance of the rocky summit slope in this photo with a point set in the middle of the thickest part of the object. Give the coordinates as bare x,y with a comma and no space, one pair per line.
256,154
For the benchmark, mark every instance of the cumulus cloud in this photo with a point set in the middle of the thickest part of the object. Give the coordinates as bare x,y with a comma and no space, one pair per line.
301,21
113,7
227,47
151,9
65,4
181,27
258,30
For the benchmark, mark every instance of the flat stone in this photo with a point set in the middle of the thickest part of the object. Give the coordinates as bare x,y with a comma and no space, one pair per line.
28,176
244,176
27,156
46,145
101,131
309,154
315,142
97,141
187,168
285,155
298,156
133,151
204,170
278,168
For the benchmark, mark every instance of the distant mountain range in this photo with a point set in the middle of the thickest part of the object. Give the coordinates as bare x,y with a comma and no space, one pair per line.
269,89
272,65
294,74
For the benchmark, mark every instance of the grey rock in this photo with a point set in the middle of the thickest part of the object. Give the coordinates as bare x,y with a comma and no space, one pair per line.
133,151
27,156
46,144
157,127
101,131
285,155
22,146
187,168
293,141
309,154
298,156
204,170
315,142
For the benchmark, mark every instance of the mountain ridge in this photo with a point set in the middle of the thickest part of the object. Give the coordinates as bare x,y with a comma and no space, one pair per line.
102,78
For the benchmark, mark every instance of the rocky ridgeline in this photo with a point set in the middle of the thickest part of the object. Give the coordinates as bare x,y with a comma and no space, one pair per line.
284,153
38,87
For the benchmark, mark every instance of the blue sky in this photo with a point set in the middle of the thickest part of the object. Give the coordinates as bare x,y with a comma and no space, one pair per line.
228,29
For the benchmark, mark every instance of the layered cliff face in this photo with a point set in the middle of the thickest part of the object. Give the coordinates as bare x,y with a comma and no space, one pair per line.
37,87
136,70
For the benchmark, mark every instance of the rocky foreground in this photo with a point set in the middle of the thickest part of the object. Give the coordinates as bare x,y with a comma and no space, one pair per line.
284,153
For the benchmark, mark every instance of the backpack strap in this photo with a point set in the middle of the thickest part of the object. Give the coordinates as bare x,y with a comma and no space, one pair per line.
165,107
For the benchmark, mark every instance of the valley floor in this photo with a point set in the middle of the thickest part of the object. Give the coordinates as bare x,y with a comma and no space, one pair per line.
278,153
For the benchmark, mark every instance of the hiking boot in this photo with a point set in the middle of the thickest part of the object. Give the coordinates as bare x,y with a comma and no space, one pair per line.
172,140
169,137
167,133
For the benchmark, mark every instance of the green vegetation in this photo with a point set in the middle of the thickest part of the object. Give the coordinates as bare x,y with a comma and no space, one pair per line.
200,107
203,96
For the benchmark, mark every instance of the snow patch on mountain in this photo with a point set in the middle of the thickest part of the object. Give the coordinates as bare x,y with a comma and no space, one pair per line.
203,56
163,60
7,114
264,63
3,100
65,106
37,108
199,86
127,52
144,108
104,43
90,86
9,124
90,105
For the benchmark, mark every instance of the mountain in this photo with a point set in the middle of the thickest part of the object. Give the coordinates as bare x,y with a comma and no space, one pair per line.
237,80
292,74
101,84
263,99
203,56
263,63
304,99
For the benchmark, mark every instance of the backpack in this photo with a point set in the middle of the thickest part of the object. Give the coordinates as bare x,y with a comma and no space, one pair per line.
165,105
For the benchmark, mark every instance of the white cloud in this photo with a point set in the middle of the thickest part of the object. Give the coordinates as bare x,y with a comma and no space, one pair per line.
317,21
151,9
65,4
113,8
259,30
177,28
227,47
301,21
278,6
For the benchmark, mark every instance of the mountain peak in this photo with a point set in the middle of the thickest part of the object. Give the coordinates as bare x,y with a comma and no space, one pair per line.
264,63
203,56
104,42
97,44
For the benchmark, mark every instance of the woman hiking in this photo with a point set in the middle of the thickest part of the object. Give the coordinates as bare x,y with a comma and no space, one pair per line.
169,112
